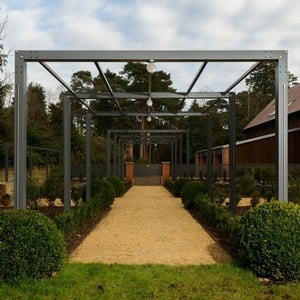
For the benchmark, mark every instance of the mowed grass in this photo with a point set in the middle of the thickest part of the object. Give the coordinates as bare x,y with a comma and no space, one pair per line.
99,281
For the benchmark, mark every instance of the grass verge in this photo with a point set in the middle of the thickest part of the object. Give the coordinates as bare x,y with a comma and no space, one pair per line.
99,281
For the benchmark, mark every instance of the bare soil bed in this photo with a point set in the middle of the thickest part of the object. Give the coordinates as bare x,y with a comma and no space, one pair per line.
149,225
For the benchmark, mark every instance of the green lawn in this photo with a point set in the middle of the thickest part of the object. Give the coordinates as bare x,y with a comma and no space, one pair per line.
98,281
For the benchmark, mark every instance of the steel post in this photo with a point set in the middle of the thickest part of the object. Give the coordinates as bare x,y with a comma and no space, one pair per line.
119,159
115,155
67,153
281,96
108,154
209,158
6,161
232,163
88,172
20,105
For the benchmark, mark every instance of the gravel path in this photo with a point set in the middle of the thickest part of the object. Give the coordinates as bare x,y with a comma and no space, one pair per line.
149,225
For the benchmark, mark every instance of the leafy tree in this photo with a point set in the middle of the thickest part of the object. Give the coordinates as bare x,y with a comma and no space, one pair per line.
6,113
261,86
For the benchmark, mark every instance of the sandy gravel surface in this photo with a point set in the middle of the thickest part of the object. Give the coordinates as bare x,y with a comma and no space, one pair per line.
149,225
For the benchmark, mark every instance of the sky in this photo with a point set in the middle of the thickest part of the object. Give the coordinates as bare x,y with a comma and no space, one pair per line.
151,25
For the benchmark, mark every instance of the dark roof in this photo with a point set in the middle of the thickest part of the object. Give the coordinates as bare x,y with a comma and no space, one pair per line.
268,113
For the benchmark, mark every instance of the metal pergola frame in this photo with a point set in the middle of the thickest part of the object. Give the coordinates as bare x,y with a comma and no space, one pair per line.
23,57
150,136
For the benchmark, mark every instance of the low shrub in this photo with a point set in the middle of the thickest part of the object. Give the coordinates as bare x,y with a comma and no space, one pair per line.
216,216
221,191
33,193
53,186
68,221
108,192
128,185
268,240
169,184
118,184
190,191
179,184
246,182
31,246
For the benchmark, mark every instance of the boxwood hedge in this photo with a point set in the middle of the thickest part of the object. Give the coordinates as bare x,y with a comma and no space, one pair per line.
268,240
31,246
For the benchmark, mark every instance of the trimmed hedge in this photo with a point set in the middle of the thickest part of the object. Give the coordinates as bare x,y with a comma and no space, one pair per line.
118,184
68,221
169,184
190,191
175,186
31,246
179,184
216,215
268,240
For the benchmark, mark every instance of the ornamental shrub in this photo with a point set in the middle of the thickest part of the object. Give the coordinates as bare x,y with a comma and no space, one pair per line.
33,193
190,191
53,186
169,184
108,192
217,216
118,184
31,246
179,184
268,240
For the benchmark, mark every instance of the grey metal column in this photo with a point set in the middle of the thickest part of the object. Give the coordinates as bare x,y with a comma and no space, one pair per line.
232,164
180,150
6,161
108,153
122,160
188,147
281,96
67,152
187,151
115,155
209,158
172,160
20,138
119,158
176,159
30,162
47,164
88,173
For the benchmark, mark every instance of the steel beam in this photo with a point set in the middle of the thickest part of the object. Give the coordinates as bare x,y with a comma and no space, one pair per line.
154,95
146,55
108,85
20,105
242,77
58,78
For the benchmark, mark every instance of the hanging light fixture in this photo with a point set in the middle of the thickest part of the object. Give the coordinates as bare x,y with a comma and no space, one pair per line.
149,102
151,67
149,118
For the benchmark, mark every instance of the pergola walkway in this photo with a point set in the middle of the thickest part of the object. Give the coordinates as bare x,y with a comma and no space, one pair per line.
149,225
